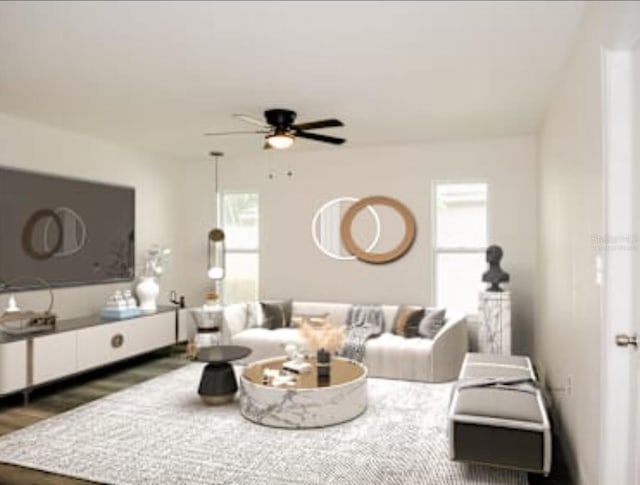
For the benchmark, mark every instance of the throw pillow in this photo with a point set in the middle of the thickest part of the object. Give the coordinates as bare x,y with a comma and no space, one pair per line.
276,314
235,317
408,320
312,319
432,323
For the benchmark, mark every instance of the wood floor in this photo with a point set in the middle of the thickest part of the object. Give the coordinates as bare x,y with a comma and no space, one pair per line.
61,397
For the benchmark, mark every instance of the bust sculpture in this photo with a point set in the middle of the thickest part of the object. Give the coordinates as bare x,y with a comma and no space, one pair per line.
495,275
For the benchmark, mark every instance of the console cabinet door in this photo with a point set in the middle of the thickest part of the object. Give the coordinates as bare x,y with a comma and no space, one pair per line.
103,344
54,356
152,332
13,367
110,342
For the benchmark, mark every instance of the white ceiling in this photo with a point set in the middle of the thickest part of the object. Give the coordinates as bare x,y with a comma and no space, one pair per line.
158,75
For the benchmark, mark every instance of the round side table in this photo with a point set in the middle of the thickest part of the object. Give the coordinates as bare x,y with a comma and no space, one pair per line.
218,383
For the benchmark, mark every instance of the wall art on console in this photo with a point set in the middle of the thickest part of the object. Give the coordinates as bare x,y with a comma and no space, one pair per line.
65,231
348,228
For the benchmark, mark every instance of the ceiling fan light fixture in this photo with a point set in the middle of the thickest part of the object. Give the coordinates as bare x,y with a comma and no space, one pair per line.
281,140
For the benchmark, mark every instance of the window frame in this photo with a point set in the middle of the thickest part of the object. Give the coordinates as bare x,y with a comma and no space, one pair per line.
258,251
435,249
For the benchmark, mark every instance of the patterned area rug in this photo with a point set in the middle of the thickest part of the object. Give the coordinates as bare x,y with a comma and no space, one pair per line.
159,432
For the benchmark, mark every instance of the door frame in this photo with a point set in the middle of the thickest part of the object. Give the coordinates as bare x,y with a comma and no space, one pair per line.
620,276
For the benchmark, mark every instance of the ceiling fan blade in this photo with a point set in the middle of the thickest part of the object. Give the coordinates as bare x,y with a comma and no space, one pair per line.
237,133
314,125
251,119
323,138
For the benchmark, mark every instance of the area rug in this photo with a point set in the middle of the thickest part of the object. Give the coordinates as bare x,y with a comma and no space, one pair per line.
159,432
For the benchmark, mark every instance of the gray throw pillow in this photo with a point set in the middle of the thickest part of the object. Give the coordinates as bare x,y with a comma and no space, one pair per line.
432,323
276,314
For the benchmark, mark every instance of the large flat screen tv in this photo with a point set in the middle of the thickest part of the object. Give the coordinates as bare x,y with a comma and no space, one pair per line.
65,231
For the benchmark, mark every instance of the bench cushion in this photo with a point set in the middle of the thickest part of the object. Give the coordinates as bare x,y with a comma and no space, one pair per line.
497,414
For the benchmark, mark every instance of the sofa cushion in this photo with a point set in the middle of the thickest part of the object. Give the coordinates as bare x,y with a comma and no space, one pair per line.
407,320
276,314
235,316
432,323
298,319
337,312
266,343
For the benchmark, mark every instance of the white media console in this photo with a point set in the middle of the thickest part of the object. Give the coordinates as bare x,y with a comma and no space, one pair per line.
83,344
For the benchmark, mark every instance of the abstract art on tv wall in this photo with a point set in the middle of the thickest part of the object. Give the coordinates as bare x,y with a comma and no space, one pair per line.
66,231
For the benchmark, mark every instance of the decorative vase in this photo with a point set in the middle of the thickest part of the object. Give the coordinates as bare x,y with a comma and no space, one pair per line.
147,291
324,367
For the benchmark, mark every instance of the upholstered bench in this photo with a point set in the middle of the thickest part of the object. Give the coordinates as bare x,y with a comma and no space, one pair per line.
497,415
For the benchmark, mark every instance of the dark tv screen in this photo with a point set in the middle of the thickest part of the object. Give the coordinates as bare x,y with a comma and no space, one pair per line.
66,231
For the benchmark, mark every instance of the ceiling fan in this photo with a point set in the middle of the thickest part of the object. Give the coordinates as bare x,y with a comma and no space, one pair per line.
280,130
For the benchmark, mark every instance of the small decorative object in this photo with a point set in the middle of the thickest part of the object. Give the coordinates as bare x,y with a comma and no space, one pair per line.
120,305
148,288
297,367
19,322
129,299
277,378
178,301
191,350
325,339
12,305
296,360
325,336
495,275
291,350
324,366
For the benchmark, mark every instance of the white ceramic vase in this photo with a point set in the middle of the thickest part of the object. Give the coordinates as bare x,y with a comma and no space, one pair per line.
147,291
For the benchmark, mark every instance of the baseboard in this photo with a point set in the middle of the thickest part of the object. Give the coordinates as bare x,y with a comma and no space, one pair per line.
559,435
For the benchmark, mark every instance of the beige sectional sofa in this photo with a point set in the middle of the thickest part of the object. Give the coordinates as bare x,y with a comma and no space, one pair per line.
389,355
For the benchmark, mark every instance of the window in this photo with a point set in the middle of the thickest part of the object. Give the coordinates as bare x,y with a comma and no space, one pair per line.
459,244
239,215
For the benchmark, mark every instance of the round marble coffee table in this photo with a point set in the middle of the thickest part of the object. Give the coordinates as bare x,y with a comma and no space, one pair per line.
309,403
218,382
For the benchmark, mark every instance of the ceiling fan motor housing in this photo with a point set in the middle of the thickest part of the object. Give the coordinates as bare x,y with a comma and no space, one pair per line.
280,118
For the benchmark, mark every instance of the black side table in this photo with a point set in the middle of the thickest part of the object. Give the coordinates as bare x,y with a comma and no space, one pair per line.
218,384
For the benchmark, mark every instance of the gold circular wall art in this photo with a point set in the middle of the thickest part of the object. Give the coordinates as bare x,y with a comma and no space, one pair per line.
371,257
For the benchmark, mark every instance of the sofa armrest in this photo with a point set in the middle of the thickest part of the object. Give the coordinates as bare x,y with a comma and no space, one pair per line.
449,348
235,318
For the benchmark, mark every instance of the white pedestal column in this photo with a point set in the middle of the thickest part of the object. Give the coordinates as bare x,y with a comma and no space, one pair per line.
494,330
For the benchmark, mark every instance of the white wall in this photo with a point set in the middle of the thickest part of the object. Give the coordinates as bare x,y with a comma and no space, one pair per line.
567,331
159,202
293,267
199,217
